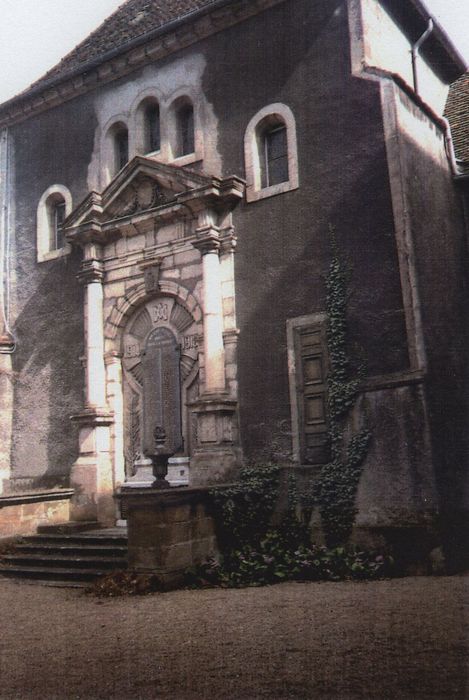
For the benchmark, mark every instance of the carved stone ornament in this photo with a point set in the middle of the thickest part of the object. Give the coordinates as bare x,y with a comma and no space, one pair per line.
145,193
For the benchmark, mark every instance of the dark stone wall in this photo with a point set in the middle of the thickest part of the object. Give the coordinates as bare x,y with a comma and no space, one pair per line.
284,242
52,148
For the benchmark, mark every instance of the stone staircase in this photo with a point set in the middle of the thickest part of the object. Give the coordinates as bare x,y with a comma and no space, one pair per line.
62,556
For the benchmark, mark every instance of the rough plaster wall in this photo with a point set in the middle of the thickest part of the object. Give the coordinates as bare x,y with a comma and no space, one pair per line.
170,78
434,214
386,47
48,306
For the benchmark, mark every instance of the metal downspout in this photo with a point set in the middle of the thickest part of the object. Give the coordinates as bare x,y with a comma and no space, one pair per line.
415,50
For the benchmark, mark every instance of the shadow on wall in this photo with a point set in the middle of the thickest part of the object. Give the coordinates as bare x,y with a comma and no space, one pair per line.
48,390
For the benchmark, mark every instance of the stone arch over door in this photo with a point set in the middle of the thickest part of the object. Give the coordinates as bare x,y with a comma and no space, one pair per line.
133,323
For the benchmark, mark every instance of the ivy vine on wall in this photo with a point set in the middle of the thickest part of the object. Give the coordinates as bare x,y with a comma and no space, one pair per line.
339,479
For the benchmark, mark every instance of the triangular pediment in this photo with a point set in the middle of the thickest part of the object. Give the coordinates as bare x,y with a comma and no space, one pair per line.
141,185
145,183
147,188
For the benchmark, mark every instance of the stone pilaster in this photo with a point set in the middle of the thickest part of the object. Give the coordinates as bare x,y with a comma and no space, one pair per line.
208,243
217,454
92,474
6,406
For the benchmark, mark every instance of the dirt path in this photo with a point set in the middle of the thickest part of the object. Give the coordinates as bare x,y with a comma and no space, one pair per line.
393,639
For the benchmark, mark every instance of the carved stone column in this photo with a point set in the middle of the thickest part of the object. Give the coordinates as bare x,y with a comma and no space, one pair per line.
217,454
92,474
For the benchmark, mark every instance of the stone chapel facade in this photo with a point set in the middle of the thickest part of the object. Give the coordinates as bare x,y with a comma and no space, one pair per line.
169,190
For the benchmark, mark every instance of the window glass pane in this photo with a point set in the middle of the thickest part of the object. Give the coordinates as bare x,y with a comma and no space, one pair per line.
152,119
185,121
122,149
58,219
276,156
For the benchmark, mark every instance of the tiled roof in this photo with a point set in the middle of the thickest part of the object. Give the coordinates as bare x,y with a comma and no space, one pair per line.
133,19
457,112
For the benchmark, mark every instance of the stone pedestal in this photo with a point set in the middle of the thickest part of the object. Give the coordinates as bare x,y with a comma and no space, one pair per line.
168,531
92,473
218,455
143,477
178,471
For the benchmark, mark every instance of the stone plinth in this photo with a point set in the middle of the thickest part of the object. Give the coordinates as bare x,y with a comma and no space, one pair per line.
168,530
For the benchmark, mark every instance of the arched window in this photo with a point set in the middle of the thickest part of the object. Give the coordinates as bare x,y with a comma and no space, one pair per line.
53,208
270,152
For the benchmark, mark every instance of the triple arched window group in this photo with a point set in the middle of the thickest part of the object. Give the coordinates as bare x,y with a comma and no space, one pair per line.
152,129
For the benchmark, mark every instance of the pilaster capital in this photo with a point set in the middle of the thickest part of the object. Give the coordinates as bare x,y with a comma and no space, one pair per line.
91,271
207,241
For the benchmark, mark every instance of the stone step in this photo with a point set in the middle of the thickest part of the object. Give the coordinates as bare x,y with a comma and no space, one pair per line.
111,550
69,527
67,558
76,562
85,539
53,573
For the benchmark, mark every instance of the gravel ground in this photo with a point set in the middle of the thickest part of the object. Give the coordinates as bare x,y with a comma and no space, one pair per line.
391,639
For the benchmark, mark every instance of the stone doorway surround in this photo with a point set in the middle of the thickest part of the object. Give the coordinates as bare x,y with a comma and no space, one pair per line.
158,248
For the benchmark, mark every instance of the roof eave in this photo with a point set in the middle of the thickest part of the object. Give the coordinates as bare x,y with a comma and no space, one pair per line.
109,55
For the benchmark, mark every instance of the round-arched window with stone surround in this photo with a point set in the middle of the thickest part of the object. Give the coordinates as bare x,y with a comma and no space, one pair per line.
271,154
53,208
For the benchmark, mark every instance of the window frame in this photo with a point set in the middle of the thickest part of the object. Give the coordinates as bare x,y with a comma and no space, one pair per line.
45,223
276,115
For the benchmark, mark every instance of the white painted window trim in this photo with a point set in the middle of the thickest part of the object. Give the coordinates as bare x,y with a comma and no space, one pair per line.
254,189
43,232
292,325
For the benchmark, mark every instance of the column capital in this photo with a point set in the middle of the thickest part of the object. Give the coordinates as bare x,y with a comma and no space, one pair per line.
91,271
207,241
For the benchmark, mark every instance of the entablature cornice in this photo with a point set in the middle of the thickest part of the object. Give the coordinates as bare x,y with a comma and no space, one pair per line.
149,48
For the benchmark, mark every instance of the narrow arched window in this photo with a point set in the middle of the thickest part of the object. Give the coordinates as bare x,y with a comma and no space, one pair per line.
273,155
152,138
53,208
185,143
